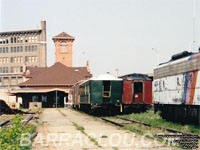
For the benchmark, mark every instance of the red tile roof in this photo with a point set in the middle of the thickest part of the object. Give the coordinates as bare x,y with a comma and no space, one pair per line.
63,35
33,71
58,74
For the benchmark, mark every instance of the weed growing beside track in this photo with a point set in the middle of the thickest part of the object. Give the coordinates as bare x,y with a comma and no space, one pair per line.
10,137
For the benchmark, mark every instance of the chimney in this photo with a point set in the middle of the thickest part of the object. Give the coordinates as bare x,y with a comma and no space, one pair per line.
88,66
24,67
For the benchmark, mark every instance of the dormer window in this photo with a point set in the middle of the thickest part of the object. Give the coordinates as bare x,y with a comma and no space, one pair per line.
63,47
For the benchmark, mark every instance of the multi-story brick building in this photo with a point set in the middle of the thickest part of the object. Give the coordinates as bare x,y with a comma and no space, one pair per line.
19,49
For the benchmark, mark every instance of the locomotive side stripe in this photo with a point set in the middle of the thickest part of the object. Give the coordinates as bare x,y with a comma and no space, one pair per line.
189,87
190,84
185,87
194,80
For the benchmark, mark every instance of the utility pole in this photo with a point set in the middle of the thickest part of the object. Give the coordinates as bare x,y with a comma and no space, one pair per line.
158,55
194,16
56,99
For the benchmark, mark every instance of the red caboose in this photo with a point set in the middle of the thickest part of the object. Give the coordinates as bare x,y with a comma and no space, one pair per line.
137,91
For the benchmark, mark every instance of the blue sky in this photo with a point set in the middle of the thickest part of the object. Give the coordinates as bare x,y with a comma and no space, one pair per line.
112,34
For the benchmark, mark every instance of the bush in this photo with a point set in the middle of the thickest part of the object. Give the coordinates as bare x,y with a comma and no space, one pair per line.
10,137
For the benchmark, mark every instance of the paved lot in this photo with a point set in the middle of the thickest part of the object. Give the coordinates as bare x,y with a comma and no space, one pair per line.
66,129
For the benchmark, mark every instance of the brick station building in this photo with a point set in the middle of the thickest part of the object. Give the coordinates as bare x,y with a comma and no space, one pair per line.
52,86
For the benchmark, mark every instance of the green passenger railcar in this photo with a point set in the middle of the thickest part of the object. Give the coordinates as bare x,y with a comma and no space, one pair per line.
105,91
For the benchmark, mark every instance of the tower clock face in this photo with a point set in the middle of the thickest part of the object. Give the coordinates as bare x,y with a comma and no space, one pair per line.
63,47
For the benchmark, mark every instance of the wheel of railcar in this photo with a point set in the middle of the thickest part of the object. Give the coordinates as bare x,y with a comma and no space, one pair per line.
87,108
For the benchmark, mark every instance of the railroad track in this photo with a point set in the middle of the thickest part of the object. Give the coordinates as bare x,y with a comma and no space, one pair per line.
129,122
7,124
161,128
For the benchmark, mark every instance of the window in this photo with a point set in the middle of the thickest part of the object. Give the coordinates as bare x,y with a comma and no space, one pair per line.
17,48
22,59
44,98
18,59
29,59
15,59
4,60
35,48
26,58
12,70
0,50
6,41
63,47
11,59
29,48
6,49
15,39
138,87
21,40
11,49
21,68
106,89
14,49
11,40
21,49
32,59
5,70
34,98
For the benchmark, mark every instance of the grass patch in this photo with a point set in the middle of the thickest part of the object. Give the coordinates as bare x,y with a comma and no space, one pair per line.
80,128
155,120
104,136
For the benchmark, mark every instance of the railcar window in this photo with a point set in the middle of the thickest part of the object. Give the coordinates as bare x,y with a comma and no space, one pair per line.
106,89
138,87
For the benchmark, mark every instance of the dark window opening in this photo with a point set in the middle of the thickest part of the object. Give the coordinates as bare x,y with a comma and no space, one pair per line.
15,40
138,87
11,60
21,68
106,89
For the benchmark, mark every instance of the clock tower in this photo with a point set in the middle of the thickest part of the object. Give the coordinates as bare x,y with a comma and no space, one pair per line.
63,46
